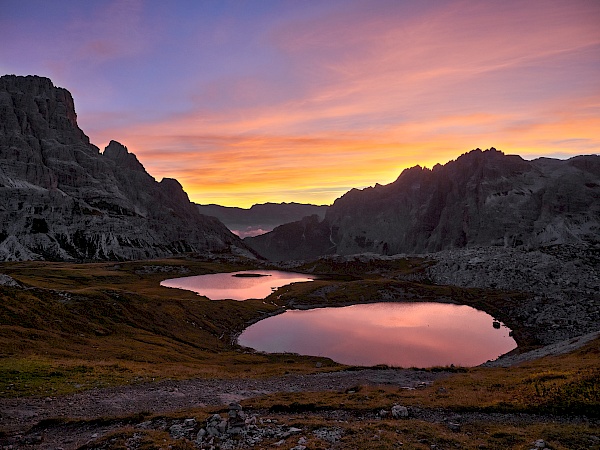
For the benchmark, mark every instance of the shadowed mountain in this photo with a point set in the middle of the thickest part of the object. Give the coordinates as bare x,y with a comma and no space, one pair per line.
484,198
261,218
61,199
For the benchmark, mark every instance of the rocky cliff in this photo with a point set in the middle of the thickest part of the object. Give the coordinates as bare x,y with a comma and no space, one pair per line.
61,199
484,198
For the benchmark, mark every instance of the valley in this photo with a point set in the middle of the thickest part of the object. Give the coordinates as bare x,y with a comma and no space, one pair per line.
96,354
260,218
85,332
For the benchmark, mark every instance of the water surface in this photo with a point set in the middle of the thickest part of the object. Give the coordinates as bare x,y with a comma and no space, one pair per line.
241,285
396,334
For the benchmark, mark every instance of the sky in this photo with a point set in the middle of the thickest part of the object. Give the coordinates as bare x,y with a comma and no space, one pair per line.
259,101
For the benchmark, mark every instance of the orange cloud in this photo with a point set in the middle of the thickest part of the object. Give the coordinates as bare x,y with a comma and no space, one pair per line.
240,170
377,93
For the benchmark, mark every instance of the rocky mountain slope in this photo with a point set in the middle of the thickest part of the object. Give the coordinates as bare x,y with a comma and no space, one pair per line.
484,198
61,199
564,281
261,218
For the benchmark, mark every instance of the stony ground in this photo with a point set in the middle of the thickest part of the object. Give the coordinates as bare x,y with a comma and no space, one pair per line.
93,415
565,282
564,309
20,414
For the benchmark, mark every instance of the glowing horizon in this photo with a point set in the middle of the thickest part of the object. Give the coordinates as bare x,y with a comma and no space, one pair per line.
270,101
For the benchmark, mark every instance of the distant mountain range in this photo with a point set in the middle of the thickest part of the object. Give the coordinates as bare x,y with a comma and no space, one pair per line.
261,218
61,199
484,198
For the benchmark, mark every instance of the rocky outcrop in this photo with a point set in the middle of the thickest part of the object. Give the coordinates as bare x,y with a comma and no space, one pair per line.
61,199
304,239
564,282
240,430
261,218
6,280
484,198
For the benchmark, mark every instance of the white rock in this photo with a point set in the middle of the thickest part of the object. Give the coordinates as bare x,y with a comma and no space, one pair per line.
399,412
5,280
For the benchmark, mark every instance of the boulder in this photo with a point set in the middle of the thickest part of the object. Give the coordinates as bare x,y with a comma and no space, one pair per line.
399,412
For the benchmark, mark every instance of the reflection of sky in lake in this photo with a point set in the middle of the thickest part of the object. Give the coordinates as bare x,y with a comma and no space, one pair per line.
221,286
396,334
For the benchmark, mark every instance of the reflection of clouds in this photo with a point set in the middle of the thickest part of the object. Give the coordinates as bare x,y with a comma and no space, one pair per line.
220,286
416,334
403,315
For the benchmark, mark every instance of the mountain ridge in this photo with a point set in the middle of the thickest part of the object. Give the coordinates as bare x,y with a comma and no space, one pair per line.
483,198
261,217
62,199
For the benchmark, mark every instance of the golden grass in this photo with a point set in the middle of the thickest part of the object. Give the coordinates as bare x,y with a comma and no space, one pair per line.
79,326
123,326
565,384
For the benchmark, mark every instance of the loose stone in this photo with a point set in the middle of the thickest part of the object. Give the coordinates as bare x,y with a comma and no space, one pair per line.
399,412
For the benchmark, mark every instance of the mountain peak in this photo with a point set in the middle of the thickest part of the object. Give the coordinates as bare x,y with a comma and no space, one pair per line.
64,200
483,198
118,153
38,109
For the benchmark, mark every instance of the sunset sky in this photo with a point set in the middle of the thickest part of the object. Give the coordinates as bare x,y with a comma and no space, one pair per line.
253,101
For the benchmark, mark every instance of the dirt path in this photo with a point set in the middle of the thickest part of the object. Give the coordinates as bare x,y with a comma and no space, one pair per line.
18,415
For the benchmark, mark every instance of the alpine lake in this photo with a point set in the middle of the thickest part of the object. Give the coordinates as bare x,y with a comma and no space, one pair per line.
419,334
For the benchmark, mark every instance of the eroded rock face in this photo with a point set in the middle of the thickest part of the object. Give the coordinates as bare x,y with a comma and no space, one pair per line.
61,199
484,198
564,282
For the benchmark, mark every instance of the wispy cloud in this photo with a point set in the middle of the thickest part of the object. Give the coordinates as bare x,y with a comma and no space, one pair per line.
299,101
247,168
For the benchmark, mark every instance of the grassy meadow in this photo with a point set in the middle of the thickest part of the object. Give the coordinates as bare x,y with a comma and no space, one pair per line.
74,327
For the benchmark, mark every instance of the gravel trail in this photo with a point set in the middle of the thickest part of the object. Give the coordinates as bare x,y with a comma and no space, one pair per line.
19,414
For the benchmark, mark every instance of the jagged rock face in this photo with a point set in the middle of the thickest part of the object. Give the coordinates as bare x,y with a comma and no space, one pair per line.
483,198
61,199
